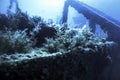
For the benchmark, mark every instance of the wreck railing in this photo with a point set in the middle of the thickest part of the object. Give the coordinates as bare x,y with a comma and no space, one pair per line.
94,16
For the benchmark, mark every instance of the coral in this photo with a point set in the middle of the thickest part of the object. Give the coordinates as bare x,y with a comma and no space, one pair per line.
74,39
14,42
66,49
3,21
19,21
72,52
58,38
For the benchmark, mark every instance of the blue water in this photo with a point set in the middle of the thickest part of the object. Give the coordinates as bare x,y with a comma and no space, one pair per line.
54,7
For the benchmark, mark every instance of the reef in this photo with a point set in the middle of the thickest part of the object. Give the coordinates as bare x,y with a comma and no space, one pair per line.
32,49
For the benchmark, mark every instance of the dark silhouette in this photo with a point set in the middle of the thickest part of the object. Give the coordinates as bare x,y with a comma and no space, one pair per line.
44,32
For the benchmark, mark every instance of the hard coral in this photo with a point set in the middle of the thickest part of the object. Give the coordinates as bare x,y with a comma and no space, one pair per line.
69,39
14,42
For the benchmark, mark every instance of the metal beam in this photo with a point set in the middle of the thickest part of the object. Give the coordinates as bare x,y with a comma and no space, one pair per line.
95,16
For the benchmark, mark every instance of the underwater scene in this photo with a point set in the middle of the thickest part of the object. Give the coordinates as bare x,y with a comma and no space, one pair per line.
59,40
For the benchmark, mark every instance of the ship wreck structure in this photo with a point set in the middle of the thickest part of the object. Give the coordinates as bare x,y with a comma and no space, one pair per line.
94,61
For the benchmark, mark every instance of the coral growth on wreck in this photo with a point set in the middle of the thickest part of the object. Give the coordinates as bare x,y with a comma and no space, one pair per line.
25,34
75,39
14,42
58,49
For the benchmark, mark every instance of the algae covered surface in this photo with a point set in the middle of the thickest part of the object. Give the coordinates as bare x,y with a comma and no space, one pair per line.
33,49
